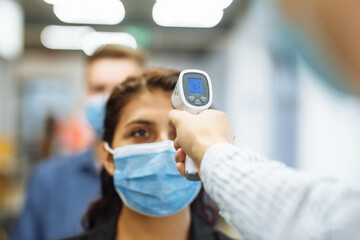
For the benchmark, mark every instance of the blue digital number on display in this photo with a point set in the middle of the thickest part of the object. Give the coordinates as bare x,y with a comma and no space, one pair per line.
195,85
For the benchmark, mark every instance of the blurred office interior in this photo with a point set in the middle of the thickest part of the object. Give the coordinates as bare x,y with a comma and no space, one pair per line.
277,103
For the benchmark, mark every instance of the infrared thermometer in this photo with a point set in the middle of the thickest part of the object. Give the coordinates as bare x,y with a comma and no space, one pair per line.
192,93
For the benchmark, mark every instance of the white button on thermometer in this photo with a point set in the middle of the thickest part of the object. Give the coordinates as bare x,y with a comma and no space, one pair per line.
192,93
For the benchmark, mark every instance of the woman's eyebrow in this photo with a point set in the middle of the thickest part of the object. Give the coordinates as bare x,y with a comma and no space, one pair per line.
146,122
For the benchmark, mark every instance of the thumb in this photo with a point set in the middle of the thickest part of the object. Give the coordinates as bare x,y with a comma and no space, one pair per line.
175,116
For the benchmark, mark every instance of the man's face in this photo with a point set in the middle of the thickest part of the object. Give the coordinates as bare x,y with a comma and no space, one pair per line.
334,26
104,74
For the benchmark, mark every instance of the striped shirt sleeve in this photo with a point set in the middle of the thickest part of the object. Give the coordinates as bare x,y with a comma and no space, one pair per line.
264,199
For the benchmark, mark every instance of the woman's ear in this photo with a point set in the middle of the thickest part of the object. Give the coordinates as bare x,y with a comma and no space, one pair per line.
107,160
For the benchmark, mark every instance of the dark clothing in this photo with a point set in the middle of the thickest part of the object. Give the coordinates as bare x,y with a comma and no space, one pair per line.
200,230
58,194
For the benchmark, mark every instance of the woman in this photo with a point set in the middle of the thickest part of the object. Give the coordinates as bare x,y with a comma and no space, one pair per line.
143,196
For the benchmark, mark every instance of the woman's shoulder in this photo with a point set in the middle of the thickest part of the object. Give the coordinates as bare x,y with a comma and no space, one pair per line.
201,230
218,235
83,236
103,231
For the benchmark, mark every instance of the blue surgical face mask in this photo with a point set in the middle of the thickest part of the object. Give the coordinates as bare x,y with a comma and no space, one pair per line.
95,113
147,180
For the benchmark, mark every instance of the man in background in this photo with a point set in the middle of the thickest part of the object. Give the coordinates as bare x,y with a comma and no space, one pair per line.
62,187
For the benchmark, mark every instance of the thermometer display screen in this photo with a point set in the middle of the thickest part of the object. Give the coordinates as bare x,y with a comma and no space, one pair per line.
195,85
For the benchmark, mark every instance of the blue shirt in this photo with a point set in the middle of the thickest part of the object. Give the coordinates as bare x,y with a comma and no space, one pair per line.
59,193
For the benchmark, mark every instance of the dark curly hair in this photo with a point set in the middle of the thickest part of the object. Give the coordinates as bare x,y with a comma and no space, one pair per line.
105,207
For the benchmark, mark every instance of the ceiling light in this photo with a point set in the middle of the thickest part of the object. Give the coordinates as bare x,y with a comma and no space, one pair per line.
94,40
64,37
51,1
107,12
11,29
217,3
187,13
225,3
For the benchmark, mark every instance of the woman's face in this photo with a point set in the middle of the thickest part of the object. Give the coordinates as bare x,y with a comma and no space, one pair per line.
143,120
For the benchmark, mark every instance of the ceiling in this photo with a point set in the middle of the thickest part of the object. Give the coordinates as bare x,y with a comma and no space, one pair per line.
138,21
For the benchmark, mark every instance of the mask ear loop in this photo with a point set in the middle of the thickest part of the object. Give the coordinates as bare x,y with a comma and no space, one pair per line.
108,148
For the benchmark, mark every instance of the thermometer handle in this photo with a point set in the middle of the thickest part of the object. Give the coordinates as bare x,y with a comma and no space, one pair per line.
191,173
192,93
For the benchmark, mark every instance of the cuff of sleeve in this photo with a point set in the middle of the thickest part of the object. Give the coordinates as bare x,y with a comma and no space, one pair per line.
214,154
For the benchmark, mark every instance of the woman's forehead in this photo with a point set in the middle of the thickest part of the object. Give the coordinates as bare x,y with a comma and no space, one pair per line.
149,106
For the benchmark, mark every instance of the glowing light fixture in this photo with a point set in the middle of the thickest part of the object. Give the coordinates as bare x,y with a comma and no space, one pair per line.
217,3
107,12
64,37
187,13
94,40
224,3
51,1
11,29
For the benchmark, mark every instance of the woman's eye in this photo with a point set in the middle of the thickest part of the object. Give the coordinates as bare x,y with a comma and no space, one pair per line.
140,133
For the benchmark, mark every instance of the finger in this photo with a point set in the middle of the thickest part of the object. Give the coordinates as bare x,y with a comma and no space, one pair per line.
177,159
174,115
180,155
176,144
181,168
172,127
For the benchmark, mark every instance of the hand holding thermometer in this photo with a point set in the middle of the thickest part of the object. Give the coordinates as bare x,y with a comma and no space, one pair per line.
192,93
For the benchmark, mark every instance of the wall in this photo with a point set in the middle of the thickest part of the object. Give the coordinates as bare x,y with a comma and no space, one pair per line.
329,129
261,97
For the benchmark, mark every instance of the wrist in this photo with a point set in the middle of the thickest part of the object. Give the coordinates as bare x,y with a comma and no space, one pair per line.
203,146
